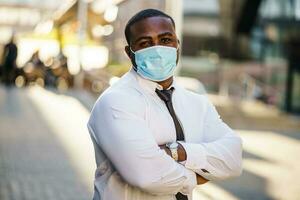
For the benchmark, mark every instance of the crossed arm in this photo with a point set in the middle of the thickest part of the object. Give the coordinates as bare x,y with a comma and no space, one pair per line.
141,162
182,157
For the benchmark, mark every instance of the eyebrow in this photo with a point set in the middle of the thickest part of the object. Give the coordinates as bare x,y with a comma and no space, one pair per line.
166,34
143,38
149,38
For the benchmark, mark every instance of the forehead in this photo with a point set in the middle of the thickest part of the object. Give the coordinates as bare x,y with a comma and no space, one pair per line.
151,26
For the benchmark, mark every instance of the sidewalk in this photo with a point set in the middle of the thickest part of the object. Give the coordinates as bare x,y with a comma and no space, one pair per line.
46,152
39,156
271,159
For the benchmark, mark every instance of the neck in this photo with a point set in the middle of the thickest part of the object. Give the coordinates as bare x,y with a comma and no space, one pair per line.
166,83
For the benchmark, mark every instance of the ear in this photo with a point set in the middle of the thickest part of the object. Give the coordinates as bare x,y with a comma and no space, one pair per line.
178,46
127,50
130,55
178,51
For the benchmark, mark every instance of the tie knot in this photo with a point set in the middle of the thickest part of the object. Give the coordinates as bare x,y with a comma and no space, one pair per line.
165,95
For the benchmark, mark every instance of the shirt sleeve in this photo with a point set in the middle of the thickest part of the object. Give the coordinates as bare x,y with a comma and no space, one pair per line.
219,156
121,131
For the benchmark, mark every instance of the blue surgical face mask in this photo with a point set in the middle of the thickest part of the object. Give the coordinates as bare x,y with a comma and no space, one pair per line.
156,63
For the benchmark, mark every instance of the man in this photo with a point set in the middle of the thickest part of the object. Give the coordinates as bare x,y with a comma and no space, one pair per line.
153,139
10,54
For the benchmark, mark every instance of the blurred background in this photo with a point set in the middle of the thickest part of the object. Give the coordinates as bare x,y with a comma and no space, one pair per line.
58,56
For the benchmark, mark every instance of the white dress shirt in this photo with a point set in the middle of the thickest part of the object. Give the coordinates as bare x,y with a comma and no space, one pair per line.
127,124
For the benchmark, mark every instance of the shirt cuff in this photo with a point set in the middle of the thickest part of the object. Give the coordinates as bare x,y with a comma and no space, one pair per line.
190,182
195,157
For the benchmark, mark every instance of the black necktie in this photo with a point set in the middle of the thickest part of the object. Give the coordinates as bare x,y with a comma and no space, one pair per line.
166,96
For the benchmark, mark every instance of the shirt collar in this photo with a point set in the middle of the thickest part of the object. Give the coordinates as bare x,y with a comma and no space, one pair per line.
149,85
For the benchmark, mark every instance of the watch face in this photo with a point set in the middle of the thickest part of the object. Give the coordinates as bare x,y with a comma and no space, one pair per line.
173,145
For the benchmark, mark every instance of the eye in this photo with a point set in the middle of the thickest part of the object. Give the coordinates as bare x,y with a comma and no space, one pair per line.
166,40
144,44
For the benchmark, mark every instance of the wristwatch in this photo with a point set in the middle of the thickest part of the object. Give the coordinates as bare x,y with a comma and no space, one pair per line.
173,146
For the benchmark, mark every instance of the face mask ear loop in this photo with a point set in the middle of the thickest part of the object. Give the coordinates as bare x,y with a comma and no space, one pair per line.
134,67
131,50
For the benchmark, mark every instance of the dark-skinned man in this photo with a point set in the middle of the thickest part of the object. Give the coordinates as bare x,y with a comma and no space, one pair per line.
153,139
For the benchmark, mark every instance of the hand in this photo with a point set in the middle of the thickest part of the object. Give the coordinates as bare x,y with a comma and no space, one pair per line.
200,180
181,152
181,156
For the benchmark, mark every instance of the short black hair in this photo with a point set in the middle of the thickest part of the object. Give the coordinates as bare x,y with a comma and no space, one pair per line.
143,14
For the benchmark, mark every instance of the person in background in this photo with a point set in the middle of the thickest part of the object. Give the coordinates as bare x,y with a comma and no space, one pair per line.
153,139
9,66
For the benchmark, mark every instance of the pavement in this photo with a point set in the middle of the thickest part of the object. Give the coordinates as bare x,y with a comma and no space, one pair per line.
46,152
271,159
